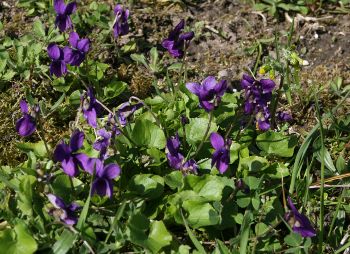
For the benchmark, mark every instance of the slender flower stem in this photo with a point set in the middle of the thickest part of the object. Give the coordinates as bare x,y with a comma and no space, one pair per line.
267,230
283,195
76,121
72,185
275,102
45,143
42,137
205,134
84,212
184,63
85,242
257,61
114,21
106,108
246,68
117,121
116,219
184,136
240,131
148,108
320,238
229,131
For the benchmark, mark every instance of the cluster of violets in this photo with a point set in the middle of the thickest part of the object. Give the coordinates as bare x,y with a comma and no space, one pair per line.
72,159
209,94
75,54
176,159
258,94
68,154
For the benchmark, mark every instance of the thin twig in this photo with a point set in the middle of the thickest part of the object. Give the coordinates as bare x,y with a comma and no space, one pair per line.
331,186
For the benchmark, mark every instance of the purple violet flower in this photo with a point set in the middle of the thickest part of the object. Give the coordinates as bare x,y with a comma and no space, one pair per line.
60,57
102,143
80,48
176,40
26,125
66,213
103,183
300,223
63,21
111,125
221,156
258,94
91,108
126,110
176,159
190,166
70,160
209,93
284,116
120,26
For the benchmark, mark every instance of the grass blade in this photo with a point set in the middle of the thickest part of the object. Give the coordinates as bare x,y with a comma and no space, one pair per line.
117,217
194,240
299,160
64,243
244,233
85,210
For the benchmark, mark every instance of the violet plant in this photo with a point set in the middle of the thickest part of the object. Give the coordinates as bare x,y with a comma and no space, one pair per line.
60,58
65,213
176,160
209,93
26,125
258,95
221,156
103,182
177,41
146,173
90,107
80,48
299,222
70,159
63,11
120,26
